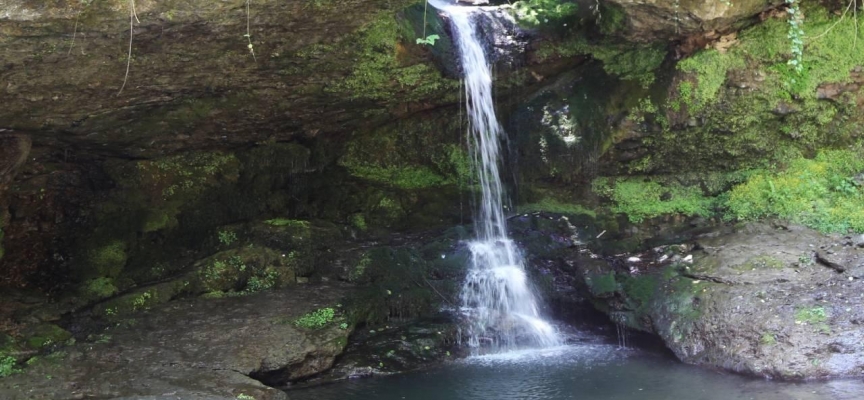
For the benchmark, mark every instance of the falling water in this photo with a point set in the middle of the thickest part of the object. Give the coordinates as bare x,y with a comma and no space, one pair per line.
502,309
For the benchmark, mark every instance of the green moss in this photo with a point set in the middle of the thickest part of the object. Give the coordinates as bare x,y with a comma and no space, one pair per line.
378,73
821,193
246,270
291,223
406,157
107,259
811,315
639,292
641,198
45,335
358,221
768,339
602,284
627,61
405,177
98,288
710,68
613,18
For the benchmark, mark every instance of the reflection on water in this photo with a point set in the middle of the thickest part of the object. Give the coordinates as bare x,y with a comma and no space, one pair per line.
583,372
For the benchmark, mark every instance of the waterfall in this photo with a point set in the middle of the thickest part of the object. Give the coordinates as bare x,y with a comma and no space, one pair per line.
497,297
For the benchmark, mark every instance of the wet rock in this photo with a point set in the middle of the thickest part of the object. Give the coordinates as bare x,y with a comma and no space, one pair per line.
666,19
753,302
196,348
387,349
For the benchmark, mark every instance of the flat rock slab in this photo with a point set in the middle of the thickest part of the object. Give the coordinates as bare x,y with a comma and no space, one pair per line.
193,349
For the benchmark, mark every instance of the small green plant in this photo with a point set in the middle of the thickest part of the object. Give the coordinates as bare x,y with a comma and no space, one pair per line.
811,315
258,283
540,12
767,339
243,396
429,40
316,319
227,237
343,326
796,36
8,366
140,302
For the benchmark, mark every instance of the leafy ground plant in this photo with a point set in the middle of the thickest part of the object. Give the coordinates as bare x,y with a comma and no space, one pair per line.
316,319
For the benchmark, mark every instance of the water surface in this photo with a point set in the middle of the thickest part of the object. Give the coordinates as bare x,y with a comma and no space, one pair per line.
583,372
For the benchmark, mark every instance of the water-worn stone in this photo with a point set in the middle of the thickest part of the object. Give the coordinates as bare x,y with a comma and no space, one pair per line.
755,302
193,349
664,19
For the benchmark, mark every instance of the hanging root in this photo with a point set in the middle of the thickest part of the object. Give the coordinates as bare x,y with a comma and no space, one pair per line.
74,32
853,5
133,16
248,33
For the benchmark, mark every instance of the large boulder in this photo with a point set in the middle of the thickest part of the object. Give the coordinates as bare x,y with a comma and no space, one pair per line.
778,302
669,19
196,349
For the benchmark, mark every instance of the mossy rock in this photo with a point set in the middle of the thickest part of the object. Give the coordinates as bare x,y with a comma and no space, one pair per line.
97,289
44,335
104,258
144,299
246,269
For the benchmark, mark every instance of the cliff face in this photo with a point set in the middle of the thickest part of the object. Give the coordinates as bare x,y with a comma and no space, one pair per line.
328,126
193,81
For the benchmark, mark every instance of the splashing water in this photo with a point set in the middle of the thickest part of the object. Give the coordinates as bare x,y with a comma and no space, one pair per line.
502,309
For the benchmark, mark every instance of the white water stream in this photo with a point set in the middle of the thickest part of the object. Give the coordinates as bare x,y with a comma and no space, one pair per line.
497,296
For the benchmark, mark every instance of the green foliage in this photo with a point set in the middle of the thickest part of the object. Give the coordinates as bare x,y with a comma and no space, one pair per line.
316,319
227,237
358,221
812,316
263,281
142,301
820,193
544,12
796,35
430,40
8,366
767,339
640,198
243,396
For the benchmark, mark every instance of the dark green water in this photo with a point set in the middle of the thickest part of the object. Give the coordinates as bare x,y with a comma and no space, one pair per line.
583,372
